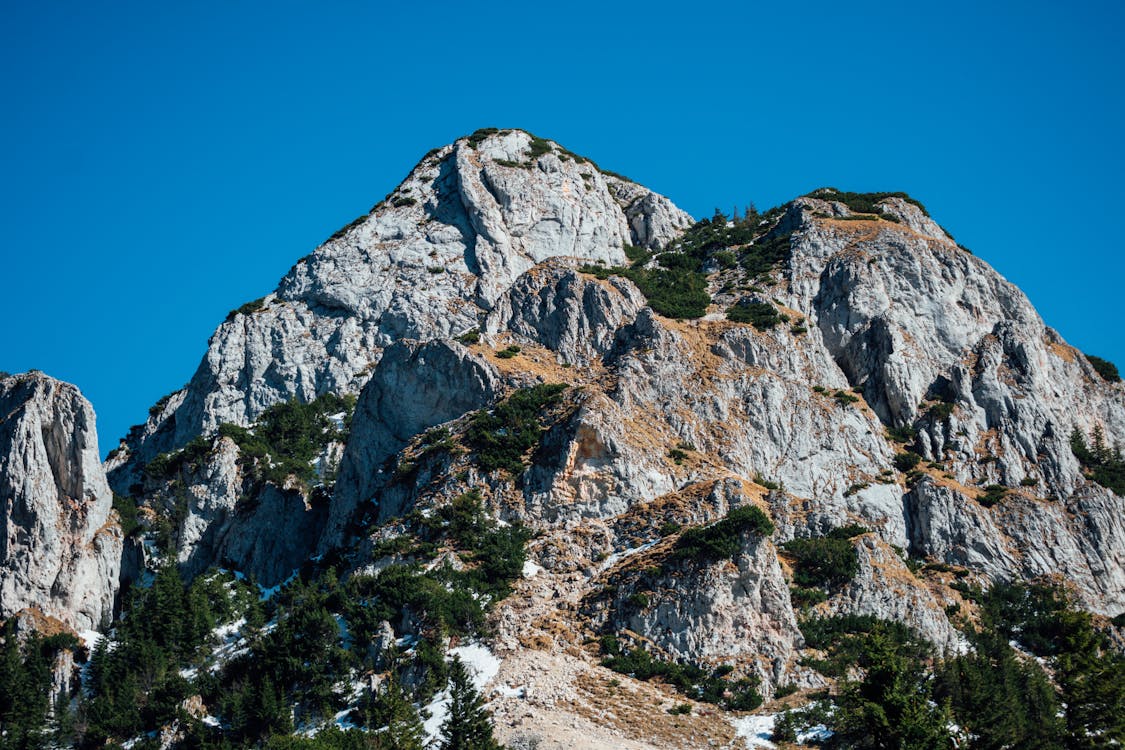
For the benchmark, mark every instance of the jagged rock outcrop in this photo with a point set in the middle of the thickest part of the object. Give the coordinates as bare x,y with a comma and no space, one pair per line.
425,263
904,377
228,517
414,387
60,549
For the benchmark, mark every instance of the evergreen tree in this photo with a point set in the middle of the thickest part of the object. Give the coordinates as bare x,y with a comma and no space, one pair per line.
891,709
468,725
1001,701
390,708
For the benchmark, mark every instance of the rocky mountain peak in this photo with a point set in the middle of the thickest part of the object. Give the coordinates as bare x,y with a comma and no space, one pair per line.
429,260
60,548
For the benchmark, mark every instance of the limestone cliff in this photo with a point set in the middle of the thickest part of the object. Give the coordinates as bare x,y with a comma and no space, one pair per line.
60,548
426,262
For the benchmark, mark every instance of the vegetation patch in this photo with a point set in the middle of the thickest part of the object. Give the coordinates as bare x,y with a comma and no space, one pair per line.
863,203
252,307
502,436
723,539
1100,463
828,561
1105,368
907,461
761,315
479,135
468,338
993,494
676,287
691,680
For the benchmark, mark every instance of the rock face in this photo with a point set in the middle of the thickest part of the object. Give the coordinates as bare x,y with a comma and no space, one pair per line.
989,394
231,520
60,549
425,263
470,281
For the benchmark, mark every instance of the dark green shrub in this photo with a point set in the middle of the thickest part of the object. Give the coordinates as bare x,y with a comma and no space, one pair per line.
502,437
903,434
468,338
993,494
850,531
638,600
1105,368
127,512
538,147
722,539
823,561
260,304
403,202
940,412
864,203
677,455
803,598
1100,463
637,255
479,135
761,315
508,353
692,680
843,398
166,465
288,435
907,461
769,485
673,294
344,229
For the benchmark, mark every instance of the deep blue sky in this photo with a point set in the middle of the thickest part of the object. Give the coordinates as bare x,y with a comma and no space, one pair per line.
162,163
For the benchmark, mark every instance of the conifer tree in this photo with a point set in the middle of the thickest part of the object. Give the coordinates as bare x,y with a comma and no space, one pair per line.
891,709
468,725
390,708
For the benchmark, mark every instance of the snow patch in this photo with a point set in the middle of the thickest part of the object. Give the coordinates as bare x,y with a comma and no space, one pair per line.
756,729
482,665
268,593
530,569
91,638
617,557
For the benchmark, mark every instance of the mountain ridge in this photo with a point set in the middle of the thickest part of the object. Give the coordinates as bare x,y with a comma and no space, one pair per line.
544,388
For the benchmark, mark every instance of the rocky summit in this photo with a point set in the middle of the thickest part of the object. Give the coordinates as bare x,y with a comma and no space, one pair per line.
527,455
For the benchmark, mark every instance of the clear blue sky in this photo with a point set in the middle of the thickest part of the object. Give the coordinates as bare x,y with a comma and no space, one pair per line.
164,162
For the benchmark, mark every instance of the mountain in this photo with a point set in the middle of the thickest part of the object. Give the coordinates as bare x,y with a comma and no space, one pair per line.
530,413
60,553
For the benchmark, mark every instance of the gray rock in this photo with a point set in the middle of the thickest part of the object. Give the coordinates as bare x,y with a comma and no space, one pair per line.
60,550
423,264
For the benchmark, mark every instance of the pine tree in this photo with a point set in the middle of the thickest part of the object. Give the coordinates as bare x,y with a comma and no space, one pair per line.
891,709
468,725
390,708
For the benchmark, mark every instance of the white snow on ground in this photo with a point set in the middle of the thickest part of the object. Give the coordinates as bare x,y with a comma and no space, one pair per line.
617,557
505,691
267,593
91,638
338,420
530,569
756,729
482,665
819,733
